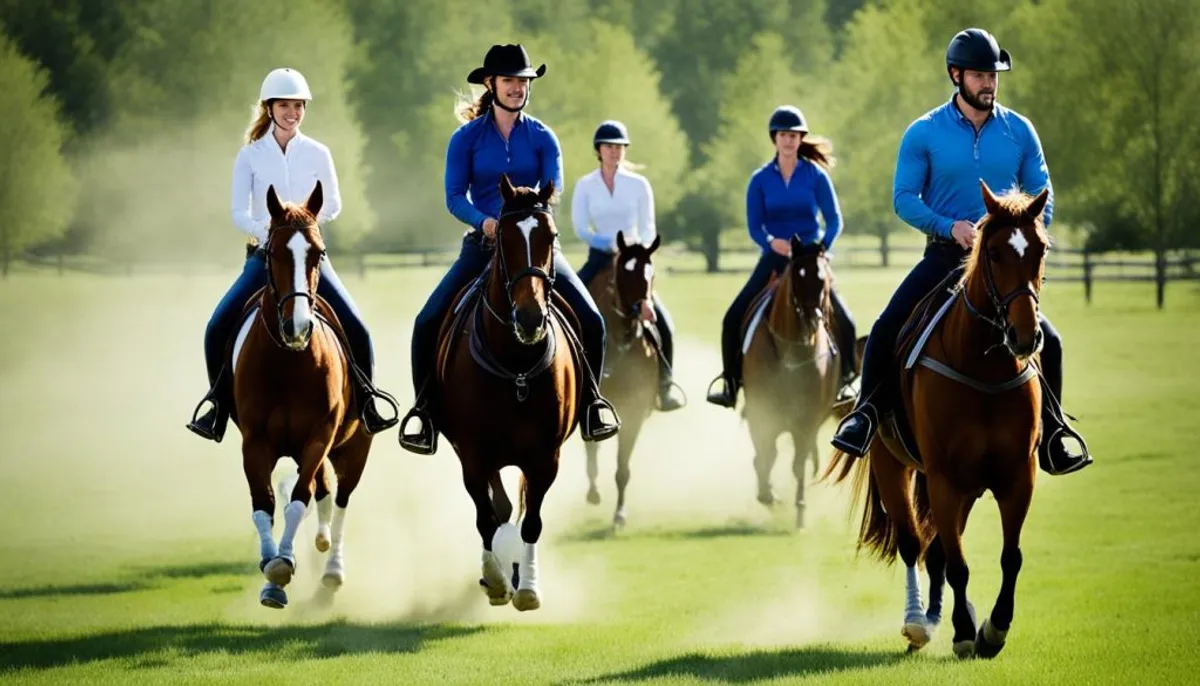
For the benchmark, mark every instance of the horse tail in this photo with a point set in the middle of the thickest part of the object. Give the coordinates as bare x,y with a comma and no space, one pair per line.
876,533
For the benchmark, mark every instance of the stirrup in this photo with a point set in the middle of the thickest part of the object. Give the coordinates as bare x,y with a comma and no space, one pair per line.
214,432
599,433
423,443
372,421
664,394
857,446
727,397
1074,462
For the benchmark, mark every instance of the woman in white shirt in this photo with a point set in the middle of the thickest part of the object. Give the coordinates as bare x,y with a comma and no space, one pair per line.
277,154
610,199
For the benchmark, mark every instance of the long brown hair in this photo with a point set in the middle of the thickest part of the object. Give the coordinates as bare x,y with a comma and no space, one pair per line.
819,149
468,110
260,122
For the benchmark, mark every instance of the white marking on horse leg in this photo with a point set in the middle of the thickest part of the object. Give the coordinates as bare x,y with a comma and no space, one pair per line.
335,566
266,537
913,610
293,514
527,225
528,570
1018,243
241,337
301,316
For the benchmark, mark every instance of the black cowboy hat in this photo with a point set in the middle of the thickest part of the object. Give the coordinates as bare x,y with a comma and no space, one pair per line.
506,60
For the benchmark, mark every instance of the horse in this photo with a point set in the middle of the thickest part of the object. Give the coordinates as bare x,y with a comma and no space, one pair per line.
971,425
791,372
293,396
631,379
507,387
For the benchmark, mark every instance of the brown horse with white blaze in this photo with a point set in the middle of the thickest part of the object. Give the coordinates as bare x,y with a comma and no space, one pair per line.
791,368
507,385
973,405
293,396
631,369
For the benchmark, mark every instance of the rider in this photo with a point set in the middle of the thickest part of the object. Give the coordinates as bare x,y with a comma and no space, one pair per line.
276,153
942,157
782,201
496,138
614,199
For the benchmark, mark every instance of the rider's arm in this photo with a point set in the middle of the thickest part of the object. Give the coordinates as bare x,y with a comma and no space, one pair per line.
647,229
552,161
828,202
581,216
1035,175
754,212
912,171
458,180
331,205
240,202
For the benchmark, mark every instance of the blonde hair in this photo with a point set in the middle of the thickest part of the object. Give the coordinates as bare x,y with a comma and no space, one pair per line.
468,108
819,149
260,122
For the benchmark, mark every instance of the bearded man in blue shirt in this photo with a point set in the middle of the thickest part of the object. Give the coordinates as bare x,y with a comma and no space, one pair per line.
943,156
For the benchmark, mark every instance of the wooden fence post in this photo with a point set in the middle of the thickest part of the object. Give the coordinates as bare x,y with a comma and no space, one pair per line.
1087,275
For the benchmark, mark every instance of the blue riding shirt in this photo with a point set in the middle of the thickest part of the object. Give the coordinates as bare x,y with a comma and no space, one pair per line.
478,155
779,209
942,158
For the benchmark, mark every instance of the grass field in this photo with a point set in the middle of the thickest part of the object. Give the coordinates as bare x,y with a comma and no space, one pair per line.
129,555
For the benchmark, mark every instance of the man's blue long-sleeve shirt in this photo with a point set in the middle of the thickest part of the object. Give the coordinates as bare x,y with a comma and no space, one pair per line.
783,210
942,158
478,155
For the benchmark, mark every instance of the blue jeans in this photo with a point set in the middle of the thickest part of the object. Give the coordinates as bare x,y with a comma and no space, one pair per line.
472,259
599,259
223,324
939,261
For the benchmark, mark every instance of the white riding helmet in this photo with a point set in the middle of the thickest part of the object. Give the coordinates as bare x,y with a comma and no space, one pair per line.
285,84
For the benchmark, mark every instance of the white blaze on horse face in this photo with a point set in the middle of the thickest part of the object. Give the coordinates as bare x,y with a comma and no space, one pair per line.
301,316
631,264
1019,242
527,225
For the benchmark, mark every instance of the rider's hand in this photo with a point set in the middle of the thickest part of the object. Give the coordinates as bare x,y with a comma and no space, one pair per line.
781,247
648,312
963,233
489,228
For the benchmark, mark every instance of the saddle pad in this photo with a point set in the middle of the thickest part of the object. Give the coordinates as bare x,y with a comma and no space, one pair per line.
758,312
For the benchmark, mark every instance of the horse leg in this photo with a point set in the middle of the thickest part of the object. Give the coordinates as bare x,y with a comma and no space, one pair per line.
935,565
805,450
1013,508
593,470
280,569
324,508
950,508
537,483
257,463
500,501
763,434
894,480
349,461
626,440
494,581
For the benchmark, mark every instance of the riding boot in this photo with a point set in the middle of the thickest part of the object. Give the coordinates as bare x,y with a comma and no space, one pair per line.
373,422
594,426
726,395
1054,457
668,399
857,430
212,424
425,441
846,392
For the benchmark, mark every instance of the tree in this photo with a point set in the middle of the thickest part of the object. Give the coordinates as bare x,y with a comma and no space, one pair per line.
37,191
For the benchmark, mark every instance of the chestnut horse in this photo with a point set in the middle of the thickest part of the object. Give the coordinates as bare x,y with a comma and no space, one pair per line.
974,418
507,384
791,370
293,396
631,367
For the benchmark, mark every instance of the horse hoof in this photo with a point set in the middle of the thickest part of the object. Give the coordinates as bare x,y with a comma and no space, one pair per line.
618,522
273,597
800,519
333,580
497,596
964,650
593,497
526,599
767,498
279,571
989,642
918,635
322,542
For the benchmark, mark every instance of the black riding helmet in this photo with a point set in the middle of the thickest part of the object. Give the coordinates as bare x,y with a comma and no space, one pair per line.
611,131
977,50
786,118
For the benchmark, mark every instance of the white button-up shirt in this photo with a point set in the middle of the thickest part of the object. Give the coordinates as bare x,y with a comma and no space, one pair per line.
598,214
294,174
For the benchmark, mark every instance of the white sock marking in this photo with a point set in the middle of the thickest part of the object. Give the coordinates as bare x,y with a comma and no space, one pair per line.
266,538
293,514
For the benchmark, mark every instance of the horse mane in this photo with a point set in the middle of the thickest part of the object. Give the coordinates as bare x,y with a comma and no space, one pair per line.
1011,212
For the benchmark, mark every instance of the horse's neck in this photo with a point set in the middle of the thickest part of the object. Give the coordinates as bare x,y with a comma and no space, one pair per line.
784,315
966,339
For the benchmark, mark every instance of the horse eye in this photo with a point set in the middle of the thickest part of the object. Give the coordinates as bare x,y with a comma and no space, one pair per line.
993,255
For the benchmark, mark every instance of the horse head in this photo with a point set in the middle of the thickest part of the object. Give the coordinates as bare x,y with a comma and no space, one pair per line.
810,284
525,240
294,252
1006,267
633,277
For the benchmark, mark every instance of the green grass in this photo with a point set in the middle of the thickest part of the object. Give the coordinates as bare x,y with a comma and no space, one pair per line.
129,556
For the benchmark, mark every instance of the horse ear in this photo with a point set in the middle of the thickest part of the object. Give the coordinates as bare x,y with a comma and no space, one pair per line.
655,243
547,192
274,207
1038,205
315,200
797,246
506,188
989,200
621,241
